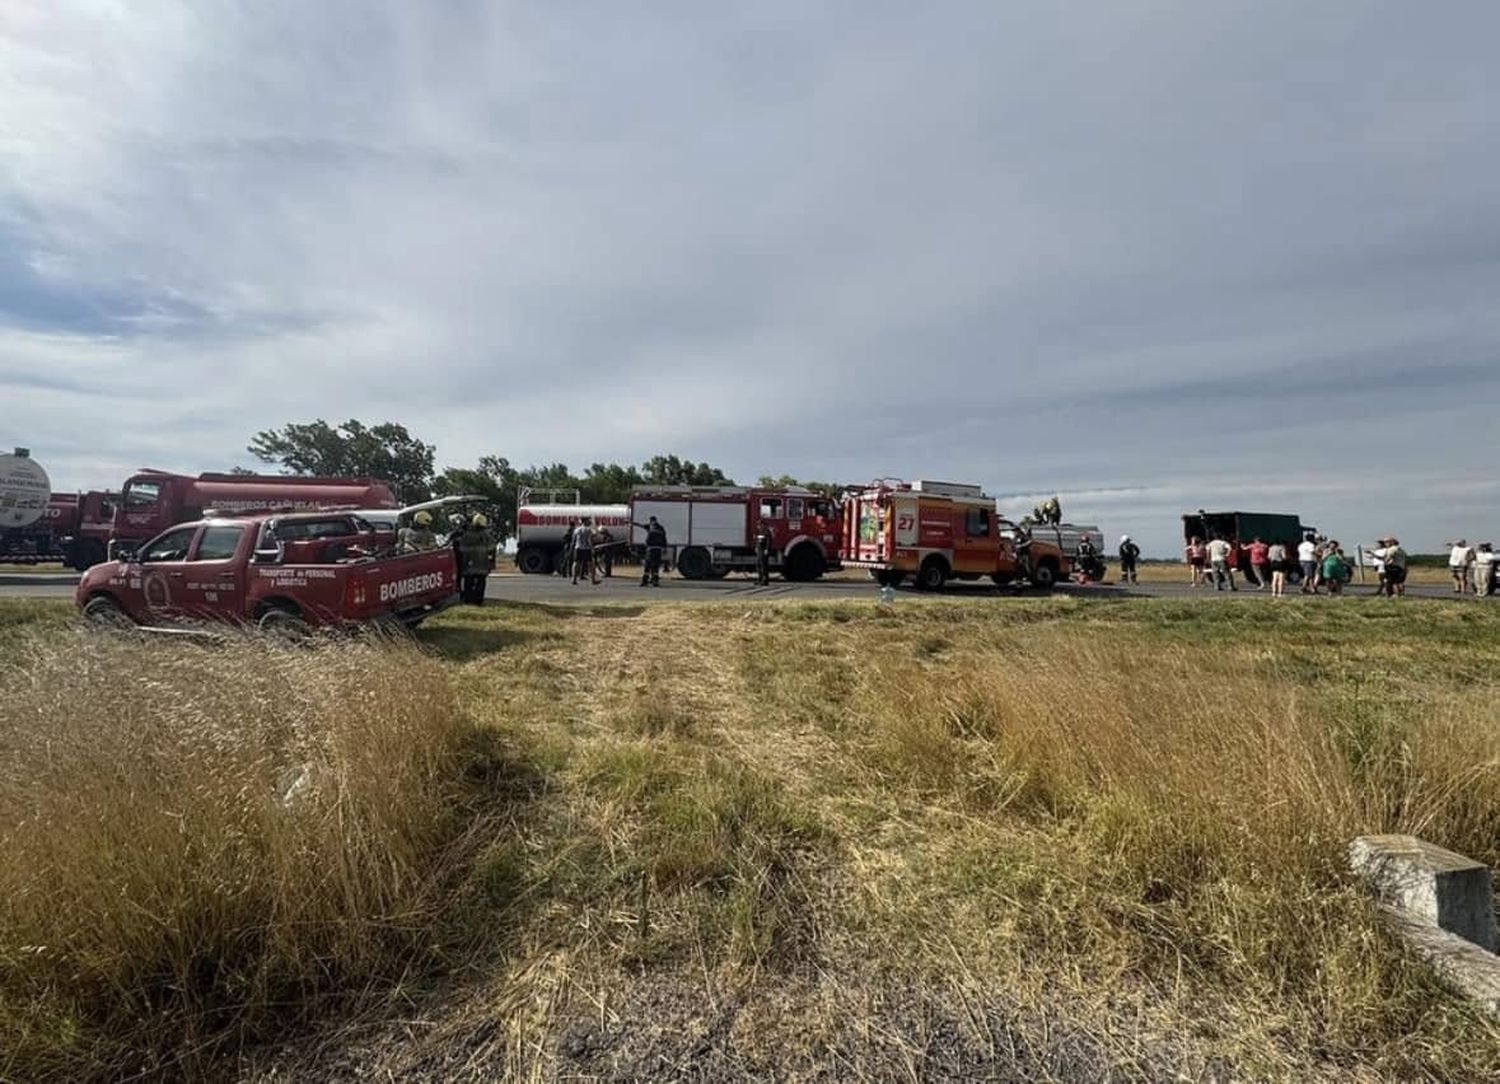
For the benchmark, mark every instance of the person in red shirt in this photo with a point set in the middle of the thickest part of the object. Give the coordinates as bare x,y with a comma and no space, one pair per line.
1258,552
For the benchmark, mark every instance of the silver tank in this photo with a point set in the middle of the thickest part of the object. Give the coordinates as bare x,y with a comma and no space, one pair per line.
546,524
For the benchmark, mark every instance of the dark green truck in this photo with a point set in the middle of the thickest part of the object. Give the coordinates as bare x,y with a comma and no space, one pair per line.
1245,527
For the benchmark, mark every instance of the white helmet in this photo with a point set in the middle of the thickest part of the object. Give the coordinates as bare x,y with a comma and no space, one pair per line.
1124,538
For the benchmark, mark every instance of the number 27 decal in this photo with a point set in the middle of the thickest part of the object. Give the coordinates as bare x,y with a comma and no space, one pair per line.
905,522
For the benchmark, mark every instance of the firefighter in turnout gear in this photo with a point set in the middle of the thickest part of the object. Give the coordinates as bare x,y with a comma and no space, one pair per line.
475,554
763,545
1130,553
656,548
419,536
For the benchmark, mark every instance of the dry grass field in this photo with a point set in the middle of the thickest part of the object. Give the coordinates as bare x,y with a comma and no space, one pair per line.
1018,839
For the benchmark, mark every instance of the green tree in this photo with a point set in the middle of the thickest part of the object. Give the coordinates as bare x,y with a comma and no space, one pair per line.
831,490
668,470
384,451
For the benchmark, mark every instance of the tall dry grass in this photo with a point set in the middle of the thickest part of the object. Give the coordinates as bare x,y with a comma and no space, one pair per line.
1181,817
197,845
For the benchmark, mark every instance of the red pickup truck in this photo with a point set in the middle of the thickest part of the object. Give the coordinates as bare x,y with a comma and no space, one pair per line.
284,572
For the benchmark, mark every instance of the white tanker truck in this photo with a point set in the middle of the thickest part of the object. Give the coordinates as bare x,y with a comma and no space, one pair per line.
543,517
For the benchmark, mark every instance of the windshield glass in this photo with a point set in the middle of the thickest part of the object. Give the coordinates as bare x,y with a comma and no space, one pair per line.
139,494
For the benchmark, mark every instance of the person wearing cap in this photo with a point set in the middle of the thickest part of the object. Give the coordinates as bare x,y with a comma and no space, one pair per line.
1460,560
1130,553
656,548
419,536
475,554
1484,569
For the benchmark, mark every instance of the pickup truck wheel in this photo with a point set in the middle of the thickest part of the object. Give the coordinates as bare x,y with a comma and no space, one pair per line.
103,612
694,563
534,561
932,575
803,565
1044,576
283,625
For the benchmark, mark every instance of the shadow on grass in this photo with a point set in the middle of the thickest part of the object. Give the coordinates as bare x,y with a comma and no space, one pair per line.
461,643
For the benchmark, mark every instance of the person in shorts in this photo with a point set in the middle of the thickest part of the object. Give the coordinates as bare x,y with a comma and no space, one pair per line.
1278,565
1196,555
1460,560
1307,559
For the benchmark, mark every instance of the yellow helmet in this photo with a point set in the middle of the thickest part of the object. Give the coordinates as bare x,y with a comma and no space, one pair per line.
479,520
422,518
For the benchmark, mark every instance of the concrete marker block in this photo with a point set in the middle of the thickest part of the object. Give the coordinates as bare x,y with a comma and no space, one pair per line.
1430,884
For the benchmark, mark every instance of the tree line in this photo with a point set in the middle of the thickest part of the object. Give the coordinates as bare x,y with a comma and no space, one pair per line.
391,452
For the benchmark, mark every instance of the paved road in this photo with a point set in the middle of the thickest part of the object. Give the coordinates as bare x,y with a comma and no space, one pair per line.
515,587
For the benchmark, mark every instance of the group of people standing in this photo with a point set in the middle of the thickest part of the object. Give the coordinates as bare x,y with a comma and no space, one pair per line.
1472,568
1315,563
473,549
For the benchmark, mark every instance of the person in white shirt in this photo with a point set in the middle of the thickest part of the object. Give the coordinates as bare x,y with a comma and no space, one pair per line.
1460,559
1484,569
1307,557
1218,561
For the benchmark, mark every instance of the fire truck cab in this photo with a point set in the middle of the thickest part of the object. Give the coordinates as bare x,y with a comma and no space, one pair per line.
712,529
937,531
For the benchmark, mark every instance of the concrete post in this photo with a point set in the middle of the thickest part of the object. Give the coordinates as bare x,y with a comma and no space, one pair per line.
1442,905
1445,889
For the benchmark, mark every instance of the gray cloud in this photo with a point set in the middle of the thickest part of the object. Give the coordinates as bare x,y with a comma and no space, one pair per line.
1154,256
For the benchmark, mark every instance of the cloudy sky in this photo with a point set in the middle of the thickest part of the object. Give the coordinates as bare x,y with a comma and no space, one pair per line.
1150,255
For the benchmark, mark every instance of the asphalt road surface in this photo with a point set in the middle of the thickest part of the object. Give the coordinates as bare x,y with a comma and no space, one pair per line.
514,587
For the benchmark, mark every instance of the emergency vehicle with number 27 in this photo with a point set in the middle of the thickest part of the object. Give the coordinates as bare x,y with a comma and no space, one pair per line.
937,531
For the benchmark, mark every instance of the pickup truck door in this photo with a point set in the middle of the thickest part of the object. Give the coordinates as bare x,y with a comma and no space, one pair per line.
213,580
161,565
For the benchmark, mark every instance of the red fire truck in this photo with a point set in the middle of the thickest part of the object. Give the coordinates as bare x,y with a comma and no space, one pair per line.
937,531
711,529
73,529
154,500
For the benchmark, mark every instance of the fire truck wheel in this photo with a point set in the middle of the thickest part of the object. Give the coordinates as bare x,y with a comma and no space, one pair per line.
932,575
1044,576
803,564
718,572
694,563
103,612
283,625
88,554
533,561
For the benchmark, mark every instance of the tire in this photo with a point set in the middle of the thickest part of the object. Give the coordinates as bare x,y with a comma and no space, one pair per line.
1044,576
932,575
803,565
718,572
284,625
694,563
1002,579
103,612
534,561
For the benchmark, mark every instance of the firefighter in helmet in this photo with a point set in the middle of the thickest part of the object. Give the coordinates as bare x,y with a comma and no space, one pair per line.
763,545
419,536
475,553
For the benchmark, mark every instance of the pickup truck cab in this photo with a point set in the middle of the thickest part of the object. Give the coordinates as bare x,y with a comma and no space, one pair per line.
306,570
